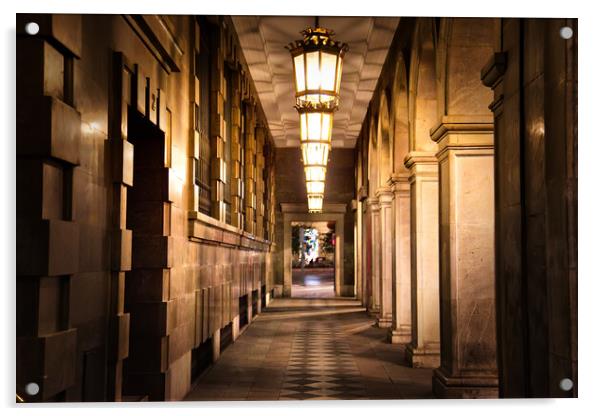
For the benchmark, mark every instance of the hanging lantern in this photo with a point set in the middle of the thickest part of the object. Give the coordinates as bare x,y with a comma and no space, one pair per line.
314,202
318,66
316,132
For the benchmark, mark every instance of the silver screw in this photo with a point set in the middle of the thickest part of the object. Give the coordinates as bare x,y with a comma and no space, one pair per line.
32,28
566,32
32,389
566,384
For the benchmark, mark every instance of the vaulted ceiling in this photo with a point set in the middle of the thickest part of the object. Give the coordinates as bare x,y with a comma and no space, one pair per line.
263,40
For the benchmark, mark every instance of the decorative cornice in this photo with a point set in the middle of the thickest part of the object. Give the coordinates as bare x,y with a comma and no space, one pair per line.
398,178
418,157
399,183
371,201
158,38
205,229
477,124
493,71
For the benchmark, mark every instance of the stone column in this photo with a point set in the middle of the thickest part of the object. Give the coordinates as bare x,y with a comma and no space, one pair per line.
357,238
374,210
423,351
385,260
467,277
401,327
364,247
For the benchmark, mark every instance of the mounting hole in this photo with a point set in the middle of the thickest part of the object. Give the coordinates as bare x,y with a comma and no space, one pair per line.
566,384
32,389
566,32
32,28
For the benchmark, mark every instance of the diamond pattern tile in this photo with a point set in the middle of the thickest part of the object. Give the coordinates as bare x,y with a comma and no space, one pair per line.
294,354
319,350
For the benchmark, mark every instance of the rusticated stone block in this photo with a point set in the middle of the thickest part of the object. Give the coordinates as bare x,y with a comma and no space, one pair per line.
121,250
63,30
149,217
40,189
47,127
153,318
151,252
152,184
147,355
178,378
48,361
181,340
47,247
122,161
120,335
40,68
147,285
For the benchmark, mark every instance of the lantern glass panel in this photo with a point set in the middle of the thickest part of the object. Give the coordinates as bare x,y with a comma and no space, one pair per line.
303,122
315,187
315,153
314,128
329,69
315,173
299,72
326,126
314,203
312,60
339,76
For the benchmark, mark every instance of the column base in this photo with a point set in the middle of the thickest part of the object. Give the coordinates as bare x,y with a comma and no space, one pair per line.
473,387
384,322
422,357
373,312
399,336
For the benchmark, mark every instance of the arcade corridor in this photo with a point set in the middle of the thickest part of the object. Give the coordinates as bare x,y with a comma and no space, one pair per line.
164,161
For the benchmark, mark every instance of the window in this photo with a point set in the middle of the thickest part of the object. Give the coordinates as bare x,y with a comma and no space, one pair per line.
228,97
202,121
243,150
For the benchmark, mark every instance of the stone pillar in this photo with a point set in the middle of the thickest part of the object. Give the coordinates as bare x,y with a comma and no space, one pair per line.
374,210
359,261
365,247
385,260
467,277
423,351
401,327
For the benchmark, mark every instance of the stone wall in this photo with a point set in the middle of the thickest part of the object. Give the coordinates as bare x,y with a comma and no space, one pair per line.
534,76
120,279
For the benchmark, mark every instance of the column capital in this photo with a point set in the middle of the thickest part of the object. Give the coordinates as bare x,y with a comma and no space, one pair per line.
464,131
419,158
384,195
399,183
372,203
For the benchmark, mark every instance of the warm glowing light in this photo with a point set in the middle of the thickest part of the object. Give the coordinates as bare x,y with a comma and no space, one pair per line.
315,173
318,63
315,187
314,202
315,153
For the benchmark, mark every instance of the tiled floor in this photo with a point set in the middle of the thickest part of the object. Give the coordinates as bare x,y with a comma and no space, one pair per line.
312,349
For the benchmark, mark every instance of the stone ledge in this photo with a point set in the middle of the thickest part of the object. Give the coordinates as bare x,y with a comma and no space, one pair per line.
206,229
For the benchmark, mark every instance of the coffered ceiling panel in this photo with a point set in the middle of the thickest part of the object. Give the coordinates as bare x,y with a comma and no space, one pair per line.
263,40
